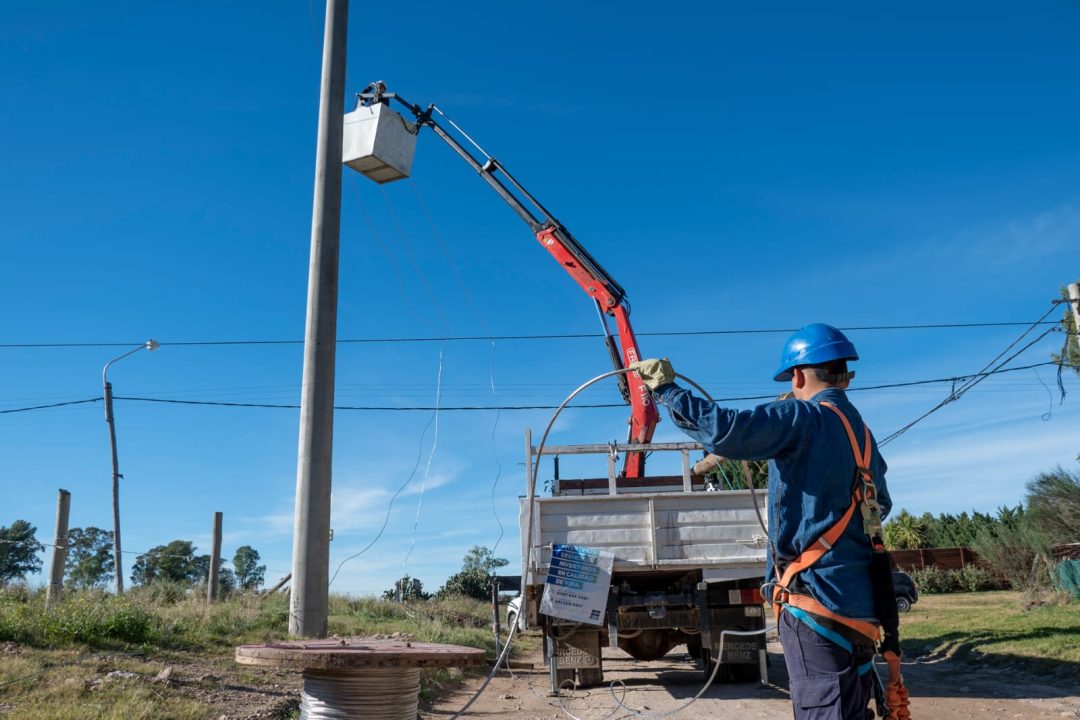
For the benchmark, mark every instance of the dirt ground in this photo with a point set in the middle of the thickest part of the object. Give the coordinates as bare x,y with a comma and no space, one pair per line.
945,690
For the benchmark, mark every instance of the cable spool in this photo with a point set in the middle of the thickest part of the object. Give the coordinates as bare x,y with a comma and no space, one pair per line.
377,694
347,678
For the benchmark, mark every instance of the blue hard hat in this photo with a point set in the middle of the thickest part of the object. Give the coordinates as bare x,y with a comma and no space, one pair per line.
815,344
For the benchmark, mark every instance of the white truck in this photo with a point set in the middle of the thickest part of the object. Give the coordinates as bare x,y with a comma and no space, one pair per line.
688,564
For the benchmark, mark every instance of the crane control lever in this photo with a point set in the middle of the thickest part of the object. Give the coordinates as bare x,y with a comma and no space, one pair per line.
586,271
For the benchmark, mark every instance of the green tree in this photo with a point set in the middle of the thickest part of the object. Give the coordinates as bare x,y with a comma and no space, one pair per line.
200,575
904,531
89,558
1053,500
474,579
18,551
249,573
174,562
407,588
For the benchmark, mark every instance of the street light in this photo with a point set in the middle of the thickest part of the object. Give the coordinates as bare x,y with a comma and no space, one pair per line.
148,345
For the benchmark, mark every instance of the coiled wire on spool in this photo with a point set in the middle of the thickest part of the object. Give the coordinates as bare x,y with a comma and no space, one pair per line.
373,694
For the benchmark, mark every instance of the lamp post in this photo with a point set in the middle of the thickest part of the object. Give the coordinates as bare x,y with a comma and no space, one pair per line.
117,567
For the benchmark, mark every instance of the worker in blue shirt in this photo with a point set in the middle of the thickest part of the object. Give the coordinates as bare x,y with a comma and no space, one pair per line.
825,474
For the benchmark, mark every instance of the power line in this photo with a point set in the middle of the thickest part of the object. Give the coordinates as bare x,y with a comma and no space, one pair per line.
585,406
978,377
541,336
51,405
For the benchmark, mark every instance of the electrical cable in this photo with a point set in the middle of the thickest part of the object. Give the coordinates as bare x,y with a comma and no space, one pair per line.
51,405
374,694
542,336
427,468
529,547
390,506
978,377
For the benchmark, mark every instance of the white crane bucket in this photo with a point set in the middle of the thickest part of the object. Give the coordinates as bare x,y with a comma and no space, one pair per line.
378,143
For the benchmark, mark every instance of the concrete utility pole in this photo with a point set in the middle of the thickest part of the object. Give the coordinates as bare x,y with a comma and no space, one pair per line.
311,530
59,553
107,393
215,560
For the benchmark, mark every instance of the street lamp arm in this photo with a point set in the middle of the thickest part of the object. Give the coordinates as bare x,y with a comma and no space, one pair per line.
148,345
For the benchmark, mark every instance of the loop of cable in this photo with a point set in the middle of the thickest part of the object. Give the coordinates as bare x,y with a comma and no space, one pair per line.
374,694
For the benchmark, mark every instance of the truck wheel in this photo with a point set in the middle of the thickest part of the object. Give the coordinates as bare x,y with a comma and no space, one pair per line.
903,604
693,646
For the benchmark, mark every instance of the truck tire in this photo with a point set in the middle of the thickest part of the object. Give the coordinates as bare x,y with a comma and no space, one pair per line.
693,646
650,644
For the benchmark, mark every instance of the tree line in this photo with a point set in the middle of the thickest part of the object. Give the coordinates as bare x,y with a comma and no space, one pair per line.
90,564
1016,543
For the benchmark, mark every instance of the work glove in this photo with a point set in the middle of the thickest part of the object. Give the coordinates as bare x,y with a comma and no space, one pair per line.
654,373
707,464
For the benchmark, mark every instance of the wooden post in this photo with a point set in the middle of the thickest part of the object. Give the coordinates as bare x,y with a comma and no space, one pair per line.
215,560
59,553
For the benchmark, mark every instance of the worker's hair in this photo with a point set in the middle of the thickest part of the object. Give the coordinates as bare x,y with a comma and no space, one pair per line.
834,372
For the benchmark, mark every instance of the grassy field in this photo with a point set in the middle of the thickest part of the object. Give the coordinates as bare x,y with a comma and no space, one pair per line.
998,628
55,664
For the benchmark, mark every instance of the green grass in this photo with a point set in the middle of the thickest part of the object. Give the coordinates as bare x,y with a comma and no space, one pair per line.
997,628
52,657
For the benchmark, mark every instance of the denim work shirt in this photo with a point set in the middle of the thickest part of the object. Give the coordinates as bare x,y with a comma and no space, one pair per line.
811,481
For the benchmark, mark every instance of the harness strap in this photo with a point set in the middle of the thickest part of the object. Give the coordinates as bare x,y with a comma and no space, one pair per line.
862,458
804,602
864,496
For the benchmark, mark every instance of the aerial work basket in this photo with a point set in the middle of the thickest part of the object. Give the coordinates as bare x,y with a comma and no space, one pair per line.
378,143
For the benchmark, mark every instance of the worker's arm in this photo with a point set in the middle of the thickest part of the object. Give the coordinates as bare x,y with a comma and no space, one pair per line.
764,432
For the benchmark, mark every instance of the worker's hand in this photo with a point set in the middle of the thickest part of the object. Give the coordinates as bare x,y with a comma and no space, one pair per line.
654,373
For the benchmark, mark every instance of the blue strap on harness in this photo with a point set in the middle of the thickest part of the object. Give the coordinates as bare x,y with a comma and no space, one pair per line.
805,617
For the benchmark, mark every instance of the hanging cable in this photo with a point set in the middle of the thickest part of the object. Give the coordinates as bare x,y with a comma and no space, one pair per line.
978,377
427,468
390,505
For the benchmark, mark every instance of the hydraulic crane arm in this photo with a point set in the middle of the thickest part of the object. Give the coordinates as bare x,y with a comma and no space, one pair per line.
609,296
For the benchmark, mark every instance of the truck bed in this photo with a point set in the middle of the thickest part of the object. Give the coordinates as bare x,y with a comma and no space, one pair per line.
717,532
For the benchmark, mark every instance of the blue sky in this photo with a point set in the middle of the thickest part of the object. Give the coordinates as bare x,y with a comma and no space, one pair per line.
734,167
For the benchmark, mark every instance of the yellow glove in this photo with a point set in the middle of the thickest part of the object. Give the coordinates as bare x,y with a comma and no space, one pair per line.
654,373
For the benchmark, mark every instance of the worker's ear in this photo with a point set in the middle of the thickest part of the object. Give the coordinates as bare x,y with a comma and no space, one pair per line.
798,379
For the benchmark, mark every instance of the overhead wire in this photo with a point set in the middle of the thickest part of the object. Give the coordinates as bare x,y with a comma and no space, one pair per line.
986,371
514,408
517,337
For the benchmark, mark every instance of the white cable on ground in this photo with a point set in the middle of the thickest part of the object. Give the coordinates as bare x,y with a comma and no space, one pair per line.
691,701
531,489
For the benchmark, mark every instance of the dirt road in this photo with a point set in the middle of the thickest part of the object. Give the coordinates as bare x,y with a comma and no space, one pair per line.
944,690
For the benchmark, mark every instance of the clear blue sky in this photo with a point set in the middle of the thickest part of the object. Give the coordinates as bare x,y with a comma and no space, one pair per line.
734,167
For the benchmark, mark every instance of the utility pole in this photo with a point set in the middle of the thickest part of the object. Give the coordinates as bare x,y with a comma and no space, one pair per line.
1074,296
215,561
60,548
309,601
107,393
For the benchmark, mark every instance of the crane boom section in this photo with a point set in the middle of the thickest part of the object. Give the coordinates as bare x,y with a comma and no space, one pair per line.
574,259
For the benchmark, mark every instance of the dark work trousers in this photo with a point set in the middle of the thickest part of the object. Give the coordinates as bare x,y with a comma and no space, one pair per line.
824,677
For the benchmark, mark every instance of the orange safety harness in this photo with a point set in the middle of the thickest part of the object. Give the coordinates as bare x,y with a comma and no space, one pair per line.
864,498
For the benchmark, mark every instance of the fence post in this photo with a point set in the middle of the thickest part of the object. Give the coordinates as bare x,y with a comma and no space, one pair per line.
215,560
59,553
